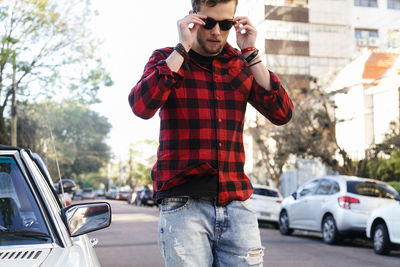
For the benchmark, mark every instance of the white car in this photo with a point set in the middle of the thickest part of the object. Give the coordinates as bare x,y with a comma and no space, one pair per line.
36,229
334,205
383,227
266,202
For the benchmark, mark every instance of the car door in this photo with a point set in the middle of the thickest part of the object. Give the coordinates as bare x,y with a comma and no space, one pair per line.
300,209
316,203
393,219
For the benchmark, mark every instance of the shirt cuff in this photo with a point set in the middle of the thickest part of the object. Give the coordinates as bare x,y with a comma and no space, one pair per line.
163,69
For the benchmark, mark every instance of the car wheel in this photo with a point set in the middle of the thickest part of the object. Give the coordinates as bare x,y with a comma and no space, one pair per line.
381,240
284,224
330,233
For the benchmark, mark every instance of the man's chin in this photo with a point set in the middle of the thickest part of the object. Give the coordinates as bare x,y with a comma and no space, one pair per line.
214,51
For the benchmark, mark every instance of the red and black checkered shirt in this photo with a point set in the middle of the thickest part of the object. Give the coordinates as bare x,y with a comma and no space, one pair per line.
202,117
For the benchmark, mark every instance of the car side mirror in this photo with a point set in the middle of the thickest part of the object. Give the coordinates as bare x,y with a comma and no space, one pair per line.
85,218
397,197
294,195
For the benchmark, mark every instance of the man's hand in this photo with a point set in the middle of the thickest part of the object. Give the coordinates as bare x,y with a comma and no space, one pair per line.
188,27
246,33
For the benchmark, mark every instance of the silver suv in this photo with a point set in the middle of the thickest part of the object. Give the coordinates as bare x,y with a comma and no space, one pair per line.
333,205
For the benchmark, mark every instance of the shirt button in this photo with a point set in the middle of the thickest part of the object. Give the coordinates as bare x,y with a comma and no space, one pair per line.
217,97
220,144
219,120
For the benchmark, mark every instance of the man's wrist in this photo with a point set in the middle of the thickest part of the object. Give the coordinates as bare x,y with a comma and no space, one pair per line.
180,48
252,56
186,46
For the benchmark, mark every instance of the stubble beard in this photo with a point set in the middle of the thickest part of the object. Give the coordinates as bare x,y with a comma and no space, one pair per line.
208,50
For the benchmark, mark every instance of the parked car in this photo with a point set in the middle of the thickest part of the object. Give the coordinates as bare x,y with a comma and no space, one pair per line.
383,227
88,193
77,195
35,227
123,195
111,193
334,205
266,202
100,192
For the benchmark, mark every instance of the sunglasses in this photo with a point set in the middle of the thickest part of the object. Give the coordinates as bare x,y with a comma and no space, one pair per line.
224,25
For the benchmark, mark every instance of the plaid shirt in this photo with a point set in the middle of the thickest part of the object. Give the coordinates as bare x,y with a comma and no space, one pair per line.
202,118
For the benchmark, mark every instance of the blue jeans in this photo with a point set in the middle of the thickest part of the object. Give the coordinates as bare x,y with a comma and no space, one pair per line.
197,232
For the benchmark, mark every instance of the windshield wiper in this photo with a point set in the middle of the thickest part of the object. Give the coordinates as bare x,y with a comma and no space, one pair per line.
27,233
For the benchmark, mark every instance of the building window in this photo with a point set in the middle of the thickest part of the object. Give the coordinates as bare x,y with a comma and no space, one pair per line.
363,33
366,3
393,4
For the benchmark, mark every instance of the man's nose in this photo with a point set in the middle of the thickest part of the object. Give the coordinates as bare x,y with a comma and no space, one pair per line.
216,29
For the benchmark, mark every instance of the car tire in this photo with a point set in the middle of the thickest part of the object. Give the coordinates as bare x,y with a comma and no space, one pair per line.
284,224
381,240
330,233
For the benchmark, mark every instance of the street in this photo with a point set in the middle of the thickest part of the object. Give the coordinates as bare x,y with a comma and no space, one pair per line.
131,240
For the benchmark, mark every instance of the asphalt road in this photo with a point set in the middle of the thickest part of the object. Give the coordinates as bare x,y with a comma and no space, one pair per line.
131,240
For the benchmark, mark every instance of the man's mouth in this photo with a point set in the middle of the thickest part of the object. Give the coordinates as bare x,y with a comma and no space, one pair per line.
214,41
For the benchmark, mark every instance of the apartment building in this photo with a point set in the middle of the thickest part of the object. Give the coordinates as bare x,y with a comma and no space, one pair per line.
303,38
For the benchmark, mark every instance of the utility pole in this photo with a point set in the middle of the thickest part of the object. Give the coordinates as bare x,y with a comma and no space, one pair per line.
14,105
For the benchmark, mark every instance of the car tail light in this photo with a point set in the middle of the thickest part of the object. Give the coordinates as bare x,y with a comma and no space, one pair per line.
345,202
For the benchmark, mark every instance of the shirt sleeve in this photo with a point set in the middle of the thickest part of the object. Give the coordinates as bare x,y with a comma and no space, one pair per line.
154,87
274,104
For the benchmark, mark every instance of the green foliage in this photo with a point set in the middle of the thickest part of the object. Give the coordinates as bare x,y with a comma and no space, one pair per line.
47,47
79,136
389,169
142,173
91,180
142,156
396,185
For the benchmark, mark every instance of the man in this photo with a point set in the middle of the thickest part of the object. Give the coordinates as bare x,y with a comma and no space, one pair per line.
201,88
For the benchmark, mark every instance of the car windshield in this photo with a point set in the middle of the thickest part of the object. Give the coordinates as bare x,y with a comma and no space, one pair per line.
371,189
265,192
21,222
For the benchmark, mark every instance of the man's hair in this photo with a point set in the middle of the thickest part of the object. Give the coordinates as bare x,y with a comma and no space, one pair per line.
196,3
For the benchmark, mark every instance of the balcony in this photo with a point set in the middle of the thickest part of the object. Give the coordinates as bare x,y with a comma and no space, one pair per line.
368,42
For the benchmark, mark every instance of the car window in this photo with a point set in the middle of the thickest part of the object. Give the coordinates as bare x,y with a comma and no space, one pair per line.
327,187
265,192
335,188
309,188
19,210
371,189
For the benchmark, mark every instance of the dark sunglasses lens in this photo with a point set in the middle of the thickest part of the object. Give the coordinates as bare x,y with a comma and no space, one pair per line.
225,25
210,23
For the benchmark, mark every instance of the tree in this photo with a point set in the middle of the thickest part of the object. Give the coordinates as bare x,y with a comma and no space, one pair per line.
77,133
310,134
47,50
142,156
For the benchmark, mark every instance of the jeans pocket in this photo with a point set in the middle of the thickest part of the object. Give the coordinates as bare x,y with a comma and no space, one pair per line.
174,204
247,204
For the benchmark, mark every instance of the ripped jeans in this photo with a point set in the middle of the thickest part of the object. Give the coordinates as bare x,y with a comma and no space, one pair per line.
196,232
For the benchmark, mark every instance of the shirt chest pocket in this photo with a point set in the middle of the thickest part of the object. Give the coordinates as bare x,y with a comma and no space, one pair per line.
239,80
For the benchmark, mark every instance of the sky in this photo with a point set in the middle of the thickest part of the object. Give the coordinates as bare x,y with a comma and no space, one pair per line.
131,31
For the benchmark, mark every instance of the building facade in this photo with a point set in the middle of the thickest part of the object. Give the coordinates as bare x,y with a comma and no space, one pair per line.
316,38
301,40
